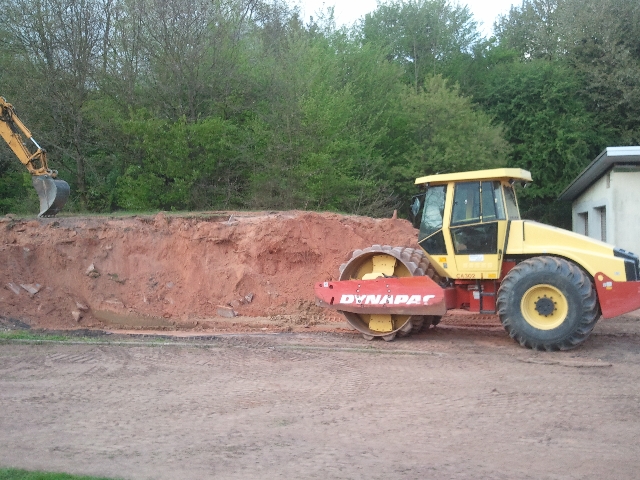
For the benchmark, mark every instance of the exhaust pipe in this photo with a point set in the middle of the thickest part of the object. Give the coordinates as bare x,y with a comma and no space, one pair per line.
53,194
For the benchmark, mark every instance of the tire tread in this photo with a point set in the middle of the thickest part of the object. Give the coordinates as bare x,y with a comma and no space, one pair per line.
555,266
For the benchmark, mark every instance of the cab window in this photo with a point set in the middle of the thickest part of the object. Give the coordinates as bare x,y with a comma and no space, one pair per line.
510,201
477,208
466,203
492,204
473,239
433,210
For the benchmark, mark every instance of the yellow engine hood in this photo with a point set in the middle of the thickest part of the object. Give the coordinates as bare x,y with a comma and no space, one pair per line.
527,237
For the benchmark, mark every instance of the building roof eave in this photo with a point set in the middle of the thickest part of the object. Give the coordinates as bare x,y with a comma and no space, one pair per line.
609,157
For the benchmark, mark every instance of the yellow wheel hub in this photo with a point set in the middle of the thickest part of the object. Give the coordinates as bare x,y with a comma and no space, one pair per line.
544,307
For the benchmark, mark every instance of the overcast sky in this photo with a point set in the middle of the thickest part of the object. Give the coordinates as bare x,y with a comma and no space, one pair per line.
347,12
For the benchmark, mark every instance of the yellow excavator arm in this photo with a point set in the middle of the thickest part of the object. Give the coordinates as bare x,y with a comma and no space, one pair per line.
53,193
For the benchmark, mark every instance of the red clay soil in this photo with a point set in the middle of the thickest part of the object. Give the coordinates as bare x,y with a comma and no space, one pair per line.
175,271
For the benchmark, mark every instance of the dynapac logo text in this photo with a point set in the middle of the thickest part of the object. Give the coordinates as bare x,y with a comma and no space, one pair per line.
386,299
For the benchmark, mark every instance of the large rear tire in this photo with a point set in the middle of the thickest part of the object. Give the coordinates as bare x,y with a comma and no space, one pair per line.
410,262
548,303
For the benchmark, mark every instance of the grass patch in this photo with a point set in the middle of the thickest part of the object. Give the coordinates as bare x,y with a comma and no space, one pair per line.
39,337
15,474
29,335
80,335
206,214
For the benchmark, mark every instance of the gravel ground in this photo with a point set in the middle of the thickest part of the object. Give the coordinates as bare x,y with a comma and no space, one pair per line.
459,401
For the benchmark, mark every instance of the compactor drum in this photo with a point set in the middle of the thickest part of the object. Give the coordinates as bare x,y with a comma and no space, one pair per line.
548,286
385,262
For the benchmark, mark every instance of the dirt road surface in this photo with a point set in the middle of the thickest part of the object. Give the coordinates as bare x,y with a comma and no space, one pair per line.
458,402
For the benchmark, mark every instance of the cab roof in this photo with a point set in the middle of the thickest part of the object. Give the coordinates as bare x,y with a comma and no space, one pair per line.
517,174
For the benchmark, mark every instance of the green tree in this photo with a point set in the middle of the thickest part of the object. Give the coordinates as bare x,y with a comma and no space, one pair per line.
179,165
599,40
533,29
190,51
421,35
440,131
551,132
603,45
315,135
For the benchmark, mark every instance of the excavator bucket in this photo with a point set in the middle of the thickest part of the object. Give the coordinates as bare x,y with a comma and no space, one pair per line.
53,194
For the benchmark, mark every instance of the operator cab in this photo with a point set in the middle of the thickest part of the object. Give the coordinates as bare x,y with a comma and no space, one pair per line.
463,219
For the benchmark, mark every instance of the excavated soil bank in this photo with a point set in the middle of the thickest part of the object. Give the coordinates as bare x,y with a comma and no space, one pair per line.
180,271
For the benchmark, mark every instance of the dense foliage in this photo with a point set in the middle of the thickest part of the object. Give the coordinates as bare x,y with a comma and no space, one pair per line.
217,104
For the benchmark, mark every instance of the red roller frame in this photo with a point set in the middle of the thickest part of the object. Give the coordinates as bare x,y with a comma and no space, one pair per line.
395,296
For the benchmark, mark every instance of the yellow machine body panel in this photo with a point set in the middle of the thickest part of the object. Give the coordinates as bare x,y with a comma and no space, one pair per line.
529,238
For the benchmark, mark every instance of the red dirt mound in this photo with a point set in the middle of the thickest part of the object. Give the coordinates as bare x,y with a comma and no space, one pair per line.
78,271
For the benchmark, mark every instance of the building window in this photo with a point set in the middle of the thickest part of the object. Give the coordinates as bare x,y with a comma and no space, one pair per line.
584,223
602,211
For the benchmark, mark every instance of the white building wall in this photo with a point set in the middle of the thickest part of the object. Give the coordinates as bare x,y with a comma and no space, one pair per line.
626,204
590,203
617,194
